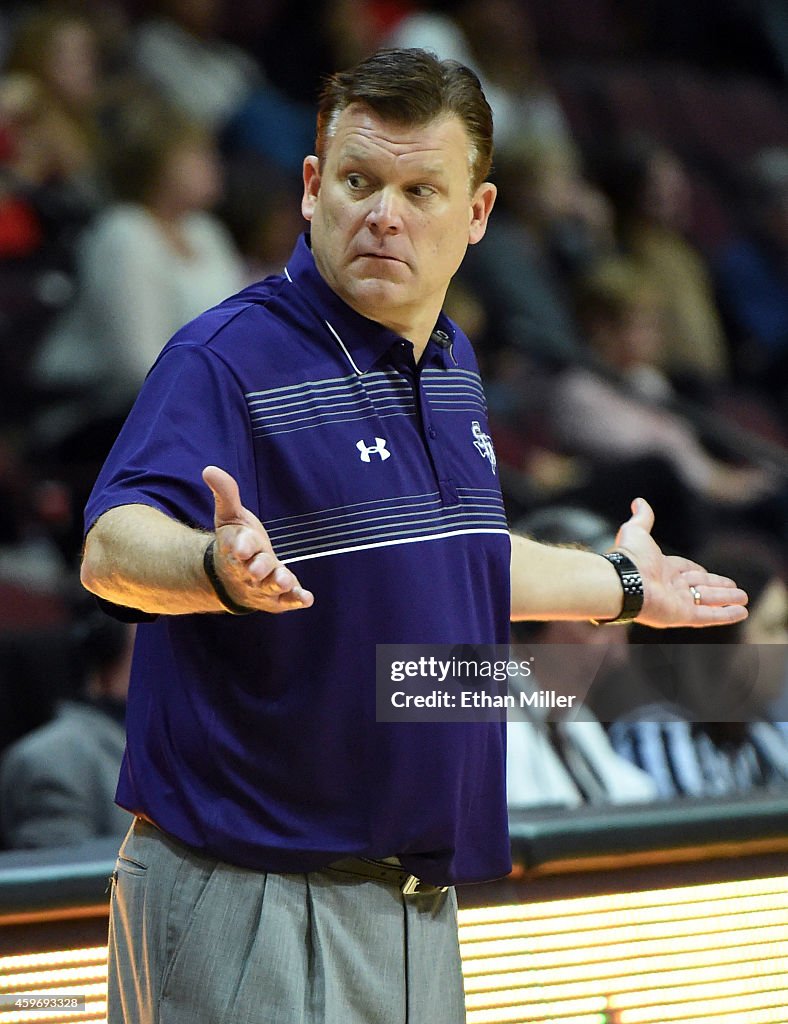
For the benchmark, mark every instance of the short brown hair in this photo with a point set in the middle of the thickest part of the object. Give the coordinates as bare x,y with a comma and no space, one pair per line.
412,87
145,139
613,288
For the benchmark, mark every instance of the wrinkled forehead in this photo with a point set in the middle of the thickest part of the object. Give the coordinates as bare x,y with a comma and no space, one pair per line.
376,125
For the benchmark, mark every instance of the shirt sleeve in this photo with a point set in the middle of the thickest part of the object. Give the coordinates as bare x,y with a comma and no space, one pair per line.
190,413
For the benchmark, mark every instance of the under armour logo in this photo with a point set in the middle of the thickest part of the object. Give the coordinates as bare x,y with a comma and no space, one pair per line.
378,448
483,444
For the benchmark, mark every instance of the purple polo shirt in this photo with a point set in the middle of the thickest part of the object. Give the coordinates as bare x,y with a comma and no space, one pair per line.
254,739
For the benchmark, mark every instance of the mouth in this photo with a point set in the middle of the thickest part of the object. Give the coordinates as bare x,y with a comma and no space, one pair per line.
382,258
379,256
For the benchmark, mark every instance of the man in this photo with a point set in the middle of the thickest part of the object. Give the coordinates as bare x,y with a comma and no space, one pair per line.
57,783
337,417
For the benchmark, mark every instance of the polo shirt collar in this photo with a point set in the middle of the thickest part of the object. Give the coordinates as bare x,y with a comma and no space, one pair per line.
364,341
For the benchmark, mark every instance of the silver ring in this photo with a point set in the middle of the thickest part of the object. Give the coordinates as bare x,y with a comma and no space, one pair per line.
695,594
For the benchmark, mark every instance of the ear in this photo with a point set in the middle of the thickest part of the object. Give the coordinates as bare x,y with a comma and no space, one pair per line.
481,207
311,175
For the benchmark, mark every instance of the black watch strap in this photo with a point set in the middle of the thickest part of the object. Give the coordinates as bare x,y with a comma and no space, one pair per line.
631,584
219,588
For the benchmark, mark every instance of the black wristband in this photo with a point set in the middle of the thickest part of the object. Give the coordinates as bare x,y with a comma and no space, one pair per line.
631,584
218,587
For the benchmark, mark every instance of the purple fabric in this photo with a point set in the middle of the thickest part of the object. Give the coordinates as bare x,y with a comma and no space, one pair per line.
254,739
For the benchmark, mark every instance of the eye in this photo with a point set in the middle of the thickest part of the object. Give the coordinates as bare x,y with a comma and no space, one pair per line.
422,191
356,182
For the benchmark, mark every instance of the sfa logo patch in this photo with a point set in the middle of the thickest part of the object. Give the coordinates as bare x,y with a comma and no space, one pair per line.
483,444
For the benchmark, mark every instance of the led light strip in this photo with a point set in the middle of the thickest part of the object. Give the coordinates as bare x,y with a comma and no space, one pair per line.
33,981
771,1015
711,892
628,936
477,980
93,954
495,1016
68,972
94,1011
500,955
738,986
709,1008
625,918
616,956
635,985
704,953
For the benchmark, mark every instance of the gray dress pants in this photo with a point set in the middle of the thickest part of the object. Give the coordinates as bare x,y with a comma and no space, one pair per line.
197,941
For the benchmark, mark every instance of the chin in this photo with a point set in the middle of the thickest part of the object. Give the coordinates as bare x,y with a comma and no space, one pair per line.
377,293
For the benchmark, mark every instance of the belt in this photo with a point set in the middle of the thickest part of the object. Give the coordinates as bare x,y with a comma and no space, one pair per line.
365,867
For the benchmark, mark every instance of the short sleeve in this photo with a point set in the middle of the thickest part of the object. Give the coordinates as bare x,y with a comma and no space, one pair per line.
190,413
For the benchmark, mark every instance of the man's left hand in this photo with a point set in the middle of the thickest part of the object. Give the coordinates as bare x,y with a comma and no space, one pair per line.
670,583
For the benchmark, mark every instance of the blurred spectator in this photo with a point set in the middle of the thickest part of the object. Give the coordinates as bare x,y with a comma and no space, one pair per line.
569,761
708,729
52,92
35,670
262,210
29,558
38,149
353,29
55,83
621,313
549,225
57,784
652,196
760,568
752,274
544,188
180,51
218,84
496,40
150,263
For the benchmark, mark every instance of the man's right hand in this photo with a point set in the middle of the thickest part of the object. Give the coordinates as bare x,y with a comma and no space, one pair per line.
243,555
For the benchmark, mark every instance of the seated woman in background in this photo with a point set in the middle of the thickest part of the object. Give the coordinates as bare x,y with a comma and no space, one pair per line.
148,264
619,415
653,198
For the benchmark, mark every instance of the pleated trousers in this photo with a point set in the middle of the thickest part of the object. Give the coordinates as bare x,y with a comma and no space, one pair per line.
196,941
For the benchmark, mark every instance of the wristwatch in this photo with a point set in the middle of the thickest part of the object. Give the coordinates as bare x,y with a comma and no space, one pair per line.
631,584
219,588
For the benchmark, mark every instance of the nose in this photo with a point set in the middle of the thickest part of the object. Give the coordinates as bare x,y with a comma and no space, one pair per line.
385,215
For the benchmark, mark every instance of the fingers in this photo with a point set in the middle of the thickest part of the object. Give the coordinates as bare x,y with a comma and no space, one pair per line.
686,566
642,518
642,514
253,574
226,496
244,556
719,616
718,596
701,578
298,597
715,591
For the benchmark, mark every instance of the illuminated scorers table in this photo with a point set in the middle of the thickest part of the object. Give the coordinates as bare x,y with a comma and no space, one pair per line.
647,915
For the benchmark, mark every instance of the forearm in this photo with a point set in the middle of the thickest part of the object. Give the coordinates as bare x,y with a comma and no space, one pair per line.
562,583
138,557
